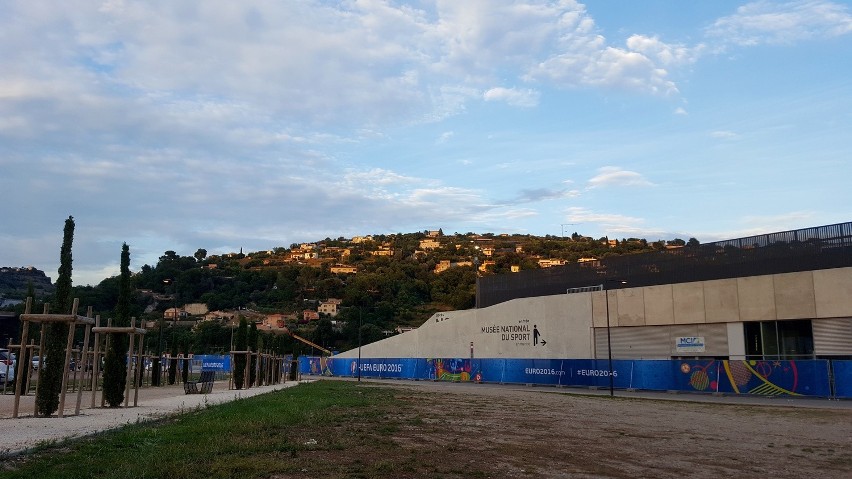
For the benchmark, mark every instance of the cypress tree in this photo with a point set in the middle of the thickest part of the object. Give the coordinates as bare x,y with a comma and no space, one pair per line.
240,344
56,334
115,367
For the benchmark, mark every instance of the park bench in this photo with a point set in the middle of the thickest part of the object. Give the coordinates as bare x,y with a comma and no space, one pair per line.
205,381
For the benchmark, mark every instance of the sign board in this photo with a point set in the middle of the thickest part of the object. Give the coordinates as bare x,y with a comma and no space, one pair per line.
689,344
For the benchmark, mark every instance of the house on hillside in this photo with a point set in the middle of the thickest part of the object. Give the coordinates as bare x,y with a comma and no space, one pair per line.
445,264
428,244
547,263
343,269
195,309
175,314
331,307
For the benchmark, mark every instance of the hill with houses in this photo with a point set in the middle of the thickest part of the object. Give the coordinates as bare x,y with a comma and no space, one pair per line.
326,289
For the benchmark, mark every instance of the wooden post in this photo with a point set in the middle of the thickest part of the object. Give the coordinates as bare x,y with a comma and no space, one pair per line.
129,373
69,344
96,366
24,333
107,344
43,334
84,360
140,367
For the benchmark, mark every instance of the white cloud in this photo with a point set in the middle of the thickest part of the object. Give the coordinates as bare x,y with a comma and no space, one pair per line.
445,137
724,134
664,53
378,176
615,176
681,111
606,221
513,96
544,194
583,59
766,22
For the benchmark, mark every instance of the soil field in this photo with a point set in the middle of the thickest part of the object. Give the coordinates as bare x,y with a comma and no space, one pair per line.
466,430
462,430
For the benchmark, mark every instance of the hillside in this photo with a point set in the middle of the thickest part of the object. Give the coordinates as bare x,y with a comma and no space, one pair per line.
383,282
14,282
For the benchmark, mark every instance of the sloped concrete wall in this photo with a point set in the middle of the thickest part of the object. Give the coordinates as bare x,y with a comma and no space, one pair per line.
544,327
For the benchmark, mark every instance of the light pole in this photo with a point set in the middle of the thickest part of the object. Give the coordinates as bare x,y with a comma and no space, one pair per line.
476,283
608,336
156,373
359,344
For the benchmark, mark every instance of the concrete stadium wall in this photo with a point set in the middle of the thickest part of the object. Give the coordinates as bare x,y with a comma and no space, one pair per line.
804,295
566,323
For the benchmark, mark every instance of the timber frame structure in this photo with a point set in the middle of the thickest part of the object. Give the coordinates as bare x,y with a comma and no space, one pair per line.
72,320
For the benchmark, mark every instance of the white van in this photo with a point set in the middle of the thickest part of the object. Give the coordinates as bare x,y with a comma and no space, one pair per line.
7,366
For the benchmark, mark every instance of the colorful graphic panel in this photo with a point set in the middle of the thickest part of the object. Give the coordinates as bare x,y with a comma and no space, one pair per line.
762,378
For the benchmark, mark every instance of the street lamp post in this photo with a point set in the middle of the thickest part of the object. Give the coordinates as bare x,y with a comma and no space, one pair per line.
476,284
608,336
157,370
359,345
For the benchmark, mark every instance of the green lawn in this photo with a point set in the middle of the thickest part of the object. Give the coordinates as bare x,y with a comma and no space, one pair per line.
313,430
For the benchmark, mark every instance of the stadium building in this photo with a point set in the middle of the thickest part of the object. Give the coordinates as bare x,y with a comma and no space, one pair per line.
768,314
776,296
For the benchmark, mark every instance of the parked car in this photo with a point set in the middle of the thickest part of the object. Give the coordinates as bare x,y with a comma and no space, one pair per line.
7,366
35,362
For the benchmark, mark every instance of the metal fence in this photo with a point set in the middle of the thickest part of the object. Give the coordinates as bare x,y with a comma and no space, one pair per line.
821,247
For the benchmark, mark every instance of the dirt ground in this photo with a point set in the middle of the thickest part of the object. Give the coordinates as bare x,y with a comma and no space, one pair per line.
452,430
502,431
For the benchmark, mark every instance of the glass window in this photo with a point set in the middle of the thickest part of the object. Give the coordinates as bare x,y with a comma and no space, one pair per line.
779,339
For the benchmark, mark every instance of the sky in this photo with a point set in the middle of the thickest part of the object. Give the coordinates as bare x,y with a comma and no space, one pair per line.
178,125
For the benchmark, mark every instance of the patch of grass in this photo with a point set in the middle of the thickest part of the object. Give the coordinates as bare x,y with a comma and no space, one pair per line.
247,438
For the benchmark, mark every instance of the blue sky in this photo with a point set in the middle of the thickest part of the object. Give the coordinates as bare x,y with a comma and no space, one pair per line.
178,125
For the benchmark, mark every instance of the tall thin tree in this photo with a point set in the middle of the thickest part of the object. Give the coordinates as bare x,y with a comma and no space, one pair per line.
115,372
50,378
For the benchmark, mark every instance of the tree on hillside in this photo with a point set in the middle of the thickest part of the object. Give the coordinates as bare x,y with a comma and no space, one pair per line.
50,377
370,333
200,254
115,372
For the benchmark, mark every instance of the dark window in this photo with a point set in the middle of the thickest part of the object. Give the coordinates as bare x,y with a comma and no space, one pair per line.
779,339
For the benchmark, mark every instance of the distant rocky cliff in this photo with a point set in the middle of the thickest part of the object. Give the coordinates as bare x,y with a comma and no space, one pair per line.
15,281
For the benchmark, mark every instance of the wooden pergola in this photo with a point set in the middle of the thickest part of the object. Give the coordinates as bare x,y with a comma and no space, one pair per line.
133,333
72,320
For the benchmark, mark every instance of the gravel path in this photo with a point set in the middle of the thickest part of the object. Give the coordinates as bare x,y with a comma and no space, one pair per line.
26,431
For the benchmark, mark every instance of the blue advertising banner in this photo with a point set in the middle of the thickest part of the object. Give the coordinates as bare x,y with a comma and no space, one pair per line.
842,378
212,362
806,378
531,371
595,372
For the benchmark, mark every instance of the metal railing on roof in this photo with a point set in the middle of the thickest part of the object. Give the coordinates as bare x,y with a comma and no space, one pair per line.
816,248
